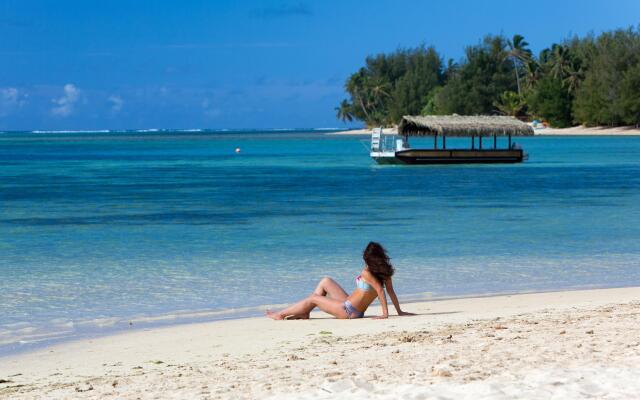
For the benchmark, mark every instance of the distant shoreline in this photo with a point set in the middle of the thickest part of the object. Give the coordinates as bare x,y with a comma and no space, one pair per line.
573,131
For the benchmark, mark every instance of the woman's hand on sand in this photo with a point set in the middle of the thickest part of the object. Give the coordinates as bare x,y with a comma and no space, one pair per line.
405,313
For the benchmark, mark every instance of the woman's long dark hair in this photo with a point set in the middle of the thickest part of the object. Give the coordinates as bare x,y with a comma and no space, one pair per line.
378,262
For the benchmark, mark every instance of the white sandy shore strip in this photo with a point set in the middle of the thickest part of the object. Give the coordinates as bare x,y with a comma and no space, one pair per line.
573,131
577,344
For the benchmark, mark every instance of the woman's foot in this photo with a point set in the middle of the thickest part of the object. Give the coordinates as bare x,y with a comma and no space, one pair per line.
301,316
274,315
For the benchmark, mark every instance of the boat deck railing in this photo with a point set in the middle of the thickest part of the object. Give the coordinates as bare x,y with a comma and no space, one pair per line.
384,143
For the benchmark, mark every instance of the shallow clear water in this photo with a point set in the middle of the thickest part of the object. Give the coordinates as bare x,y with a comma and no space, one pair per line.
99,229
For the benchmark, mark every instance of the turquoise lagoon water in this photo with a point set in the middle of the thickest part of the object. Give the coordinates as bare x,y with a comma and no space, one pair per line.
100,229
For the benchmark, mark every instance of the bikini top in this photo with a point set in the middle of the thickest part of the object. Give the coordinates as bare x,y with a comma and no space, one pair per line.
362,284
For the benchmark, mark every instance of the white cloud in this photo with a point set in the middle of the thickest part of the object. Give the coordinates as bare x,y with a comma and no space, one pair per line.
65,104
116,103
10,100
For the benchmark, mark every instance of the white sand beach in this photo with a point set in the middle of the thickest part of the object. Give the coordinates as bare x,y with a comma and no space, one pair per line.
364,131
573,131
590,131
572,344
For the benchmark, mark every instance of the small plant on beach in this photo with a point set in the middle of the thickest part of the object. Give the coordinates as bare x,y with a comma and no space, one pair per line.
510,103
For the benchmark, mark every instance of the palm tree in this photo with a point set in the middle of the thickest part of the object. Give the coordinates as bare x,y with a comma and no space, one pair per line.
379,88
533,73
511,103
560,61
545,56
451,69
356,86
519,54
343,112
574,74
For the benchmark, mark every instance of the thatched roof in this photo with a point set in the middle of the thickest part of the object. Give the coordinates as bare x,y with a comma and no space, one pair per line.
458,125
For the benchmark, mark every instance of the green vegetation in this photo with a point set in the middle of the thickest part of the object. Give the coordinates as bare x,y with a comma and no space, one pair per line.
390,86
478,82
590,81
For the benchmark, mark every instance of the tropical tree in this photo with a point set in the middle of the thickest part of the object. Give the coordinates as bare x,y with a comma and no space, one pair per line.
551,101
356,87
630,95
519,54
380,88
559,60
609,90
479,80
592,80
574,75
411,91
533,73
392,85
450,69
510,103
344,111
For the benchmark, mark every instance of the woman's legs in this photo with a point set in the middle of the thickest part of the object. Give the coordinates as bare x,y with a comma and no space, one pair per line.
326,287
331,306
329,287
334,304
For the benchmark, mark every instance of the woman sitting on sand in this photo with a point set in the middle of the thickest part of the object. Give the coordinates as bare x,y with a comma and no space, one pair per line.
332,299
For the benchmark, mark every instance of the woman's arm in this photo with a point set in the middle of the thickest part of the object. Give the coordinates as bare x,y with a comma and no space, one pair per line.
370,279
394,299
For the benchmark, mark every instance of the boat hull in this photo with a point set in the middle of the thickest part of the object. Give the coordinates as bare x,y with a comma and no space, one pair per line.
418,157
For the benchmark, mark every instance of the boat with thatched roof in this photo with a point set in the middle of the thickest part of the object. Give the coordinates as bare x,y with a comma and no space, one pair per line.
395,149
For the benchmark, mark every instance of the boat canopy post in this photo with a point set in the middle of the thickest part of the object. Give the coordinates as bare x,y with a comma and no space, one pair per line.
495,142
509,141
473,142
435,142
444,142
480,141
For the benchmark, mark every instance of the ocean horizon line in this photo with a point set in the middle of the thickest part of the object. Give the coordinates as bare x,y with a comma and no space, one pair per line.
181,130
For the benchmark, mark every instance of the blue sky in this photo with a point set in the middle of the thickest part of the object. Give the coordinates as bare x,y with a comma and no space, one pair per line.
238,64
